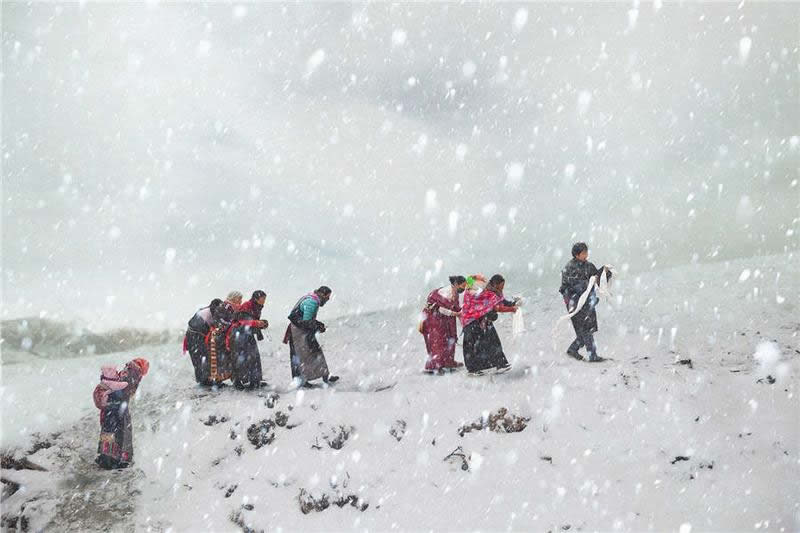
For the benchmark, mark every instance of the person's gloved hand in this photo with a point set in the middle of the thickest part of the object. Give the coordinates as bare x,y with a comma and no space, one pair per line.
143,364
320,327
264,324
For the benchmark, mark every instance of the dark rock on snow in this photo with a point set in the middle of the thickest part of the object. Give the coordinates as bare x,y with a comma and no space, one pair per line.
309,502
261,433
500,421
338,436
398,430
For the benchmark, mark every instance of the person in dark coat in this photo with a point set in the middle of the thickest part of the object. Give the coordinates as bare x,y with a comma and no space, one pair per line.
482,347
245,332
113,397
575,280
305,354
194,341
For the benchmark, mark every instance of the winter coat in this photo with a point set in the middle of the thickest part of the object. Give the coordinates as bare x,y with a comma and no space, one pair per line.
575,279
304,314
194,342
306,357
484,302
112,396
201,320
246,358
250,310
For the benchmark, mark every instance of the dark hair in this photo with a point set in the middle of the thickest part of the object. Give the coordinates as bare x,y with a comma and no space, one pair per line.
457,280
324,290
224,313
496,280
214,304
579,247
258,294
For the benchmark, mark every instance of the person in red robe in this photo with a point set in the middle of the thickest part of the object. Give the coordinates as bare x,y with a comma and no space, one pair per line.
439,325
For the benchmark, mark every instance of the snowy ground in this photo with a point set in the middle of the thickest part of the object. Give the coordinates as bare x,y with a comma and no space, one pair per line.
641,442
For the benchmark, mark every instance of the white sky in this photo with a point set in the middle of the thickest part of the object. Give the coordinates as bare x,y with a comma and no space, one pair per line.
156,156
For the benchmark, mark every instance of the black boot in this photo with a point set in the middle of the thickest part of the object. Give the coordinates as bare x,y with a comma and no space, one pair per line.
572,351
502,368
331,379
574,354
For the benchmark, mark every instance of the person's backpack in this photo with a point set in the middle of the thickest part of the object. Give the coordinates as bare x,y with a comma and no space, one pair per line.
110,381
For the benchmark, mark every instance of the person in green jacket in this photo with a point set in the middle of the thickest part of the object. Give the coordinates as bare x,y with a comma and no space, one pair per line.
306,357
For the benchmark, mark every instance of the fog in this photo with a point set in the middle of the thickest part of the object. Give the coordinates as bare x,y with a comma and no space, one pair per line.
156,156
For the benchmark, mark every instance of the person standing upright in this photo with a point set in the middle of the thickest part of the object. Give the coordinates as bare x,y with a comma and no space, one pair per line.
439,325
575,280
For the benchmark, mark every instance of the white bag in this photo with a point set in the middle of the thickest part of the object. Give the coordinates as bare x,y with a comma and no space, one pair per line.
518,323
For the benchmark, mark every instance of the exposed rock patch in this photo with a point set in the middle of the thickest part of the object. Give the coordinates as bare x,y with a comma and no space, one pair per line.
398,430
261,433
500,421
310,503
337,436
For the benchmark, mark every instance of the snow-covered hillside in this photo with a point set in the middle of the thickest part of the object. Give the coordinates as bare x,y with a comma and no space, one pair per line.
694,421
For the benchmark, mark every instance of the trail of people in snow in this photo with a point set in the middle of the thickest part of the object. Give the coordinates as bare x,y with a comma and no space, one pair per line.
559,393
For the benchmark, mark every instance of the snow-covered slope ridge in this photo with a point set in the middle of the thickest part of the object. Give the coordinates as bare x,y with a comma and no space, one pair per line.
692,424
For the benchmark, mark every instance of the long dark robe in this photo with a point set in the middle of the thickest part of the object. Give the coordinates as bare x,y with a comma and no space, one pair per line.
196,345
246,357
308,359
115,446
198,351
482,346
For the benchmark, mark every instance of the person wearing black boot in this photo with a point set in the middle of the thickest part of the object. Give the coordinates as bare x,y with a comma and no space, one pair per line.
575,280
482,347
306,357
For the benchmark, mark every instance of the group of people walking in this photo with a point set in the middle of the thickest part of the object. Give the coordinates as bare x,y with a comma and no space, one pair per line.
477,303
478,310
221,340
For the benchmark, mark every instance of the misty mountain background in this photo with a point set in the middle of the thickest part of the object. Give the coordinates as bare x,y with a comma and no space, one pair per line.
157,156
